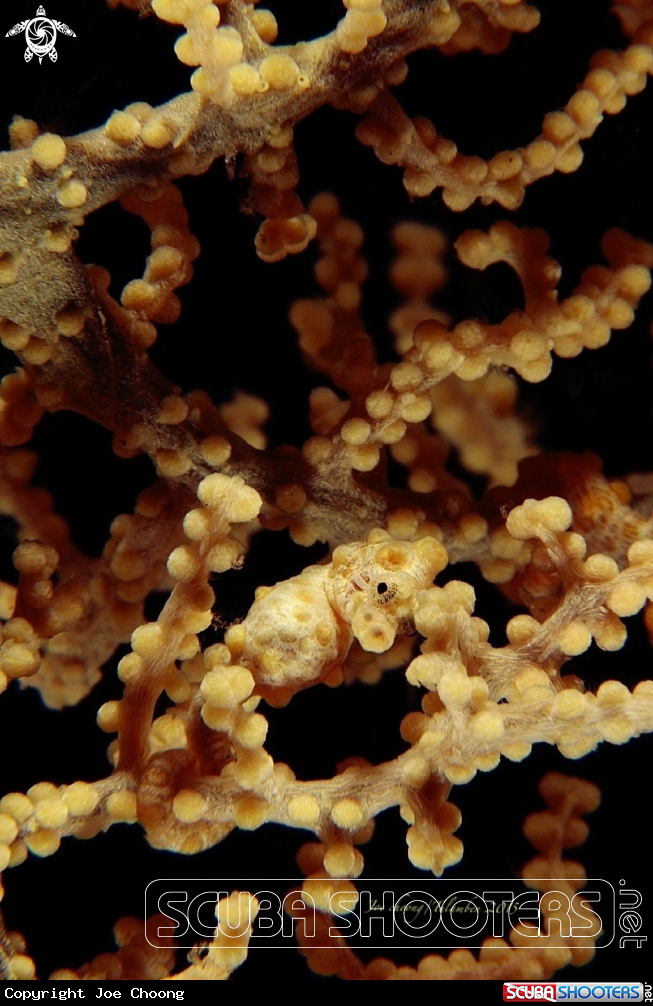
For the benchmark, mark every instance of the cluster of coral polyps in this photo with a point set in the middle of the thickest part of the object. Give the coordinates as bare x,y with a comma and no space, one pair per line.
571,548
192,774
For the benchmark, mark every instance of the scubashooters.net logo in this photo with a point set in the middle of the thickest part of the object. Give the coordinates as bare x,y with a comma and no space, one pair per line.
40,35
383,914
572,991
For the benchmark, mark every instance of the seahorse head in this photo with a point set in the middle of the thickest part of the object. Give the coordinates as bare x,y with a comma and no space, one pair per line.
372,585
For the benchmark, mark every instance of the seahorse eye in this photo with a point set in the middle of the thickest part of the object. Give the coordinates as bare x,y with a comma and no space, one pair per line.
381,588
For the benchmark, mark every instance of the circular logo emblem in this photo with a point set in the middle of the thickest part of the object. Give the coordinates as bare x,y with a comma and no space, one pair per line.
40,35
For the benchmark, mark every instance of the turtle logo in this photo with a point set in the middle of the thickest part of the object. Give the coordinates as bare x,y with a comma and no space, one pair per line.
40,35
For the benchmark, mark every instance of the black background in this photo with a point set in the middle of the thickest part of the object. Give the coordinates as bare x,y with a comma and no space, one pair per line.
234,334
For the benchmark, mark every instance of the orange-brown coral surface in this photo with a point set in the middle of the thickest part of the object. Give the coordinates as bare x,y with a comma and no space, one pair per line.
325,471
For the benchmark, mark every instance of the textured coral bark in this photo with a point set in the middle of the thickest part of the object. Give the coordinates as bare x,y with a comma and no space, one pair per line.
233,335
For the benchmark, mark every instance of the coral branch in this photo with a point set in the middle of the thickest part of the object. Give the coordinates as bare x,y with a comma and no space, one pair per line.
424,446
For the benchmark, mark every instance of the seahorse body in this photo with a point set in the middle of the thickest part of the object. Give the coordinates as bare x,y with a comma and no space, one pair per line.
298,632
